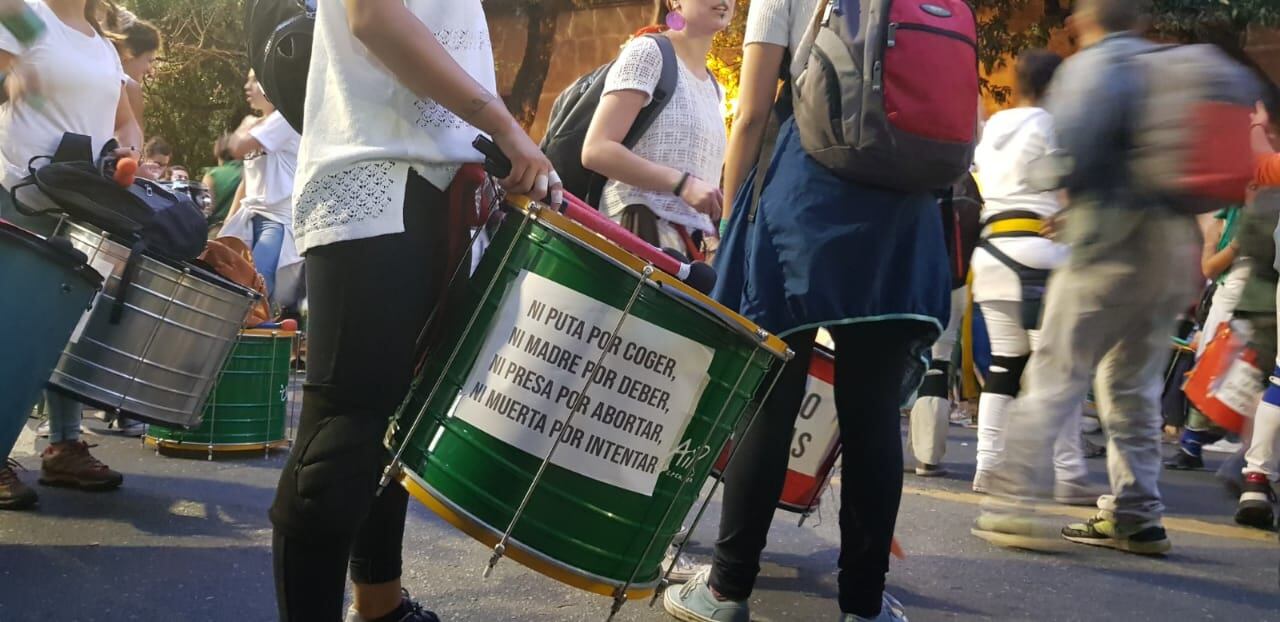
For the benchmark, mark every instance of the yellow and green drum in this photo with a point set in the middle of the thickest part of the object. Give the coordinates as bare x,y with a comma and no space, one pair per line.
559,320
248,409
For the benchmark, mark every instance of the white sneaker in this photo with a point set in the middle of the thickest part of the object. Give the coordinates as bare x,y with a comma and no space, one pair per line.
1223,446
42,430
685,568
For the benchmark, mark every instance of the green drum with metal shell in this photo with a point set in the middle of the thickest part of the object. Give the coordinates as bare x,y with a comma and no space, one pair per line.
669,387
248,407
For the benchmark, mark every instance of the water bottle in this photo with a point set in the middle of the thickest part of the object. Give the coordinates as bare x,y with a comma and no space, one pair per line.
24,24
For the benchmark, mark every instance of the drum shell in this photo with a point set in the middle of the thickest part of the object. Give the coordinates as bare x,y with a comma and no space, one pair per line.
247,408
802,488
160,361
593,534
55,290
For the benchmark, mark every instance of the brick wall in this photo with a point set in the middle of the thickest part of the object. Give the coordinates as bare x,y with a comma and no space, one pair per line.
585,40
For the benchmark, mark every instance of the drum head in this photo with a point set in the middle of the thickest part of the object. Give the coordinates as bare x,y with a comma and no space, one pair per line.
58,251
205,272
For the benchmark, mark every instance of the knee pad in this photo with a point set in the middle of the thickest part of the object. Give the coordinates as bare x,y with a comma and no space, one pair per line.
1005,375
935,382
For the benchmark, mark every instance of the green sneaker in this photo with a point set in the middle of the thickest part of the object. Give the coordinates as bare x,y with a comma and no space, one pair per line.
890,611
1018,530
694,602
1100,531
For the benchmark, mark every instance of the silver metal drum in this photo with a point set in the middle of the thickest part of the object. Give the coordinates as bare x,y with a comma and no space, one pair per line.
161,360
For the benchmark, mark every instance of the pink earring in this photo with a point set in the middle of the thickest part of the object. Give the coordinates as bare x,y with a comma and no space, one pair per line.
675,21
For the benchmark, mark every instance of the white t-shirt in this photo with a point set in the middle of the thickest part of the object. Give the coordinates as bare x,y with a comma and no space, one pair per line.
365,130
268,175
688,135
80,78
1011,140
783,23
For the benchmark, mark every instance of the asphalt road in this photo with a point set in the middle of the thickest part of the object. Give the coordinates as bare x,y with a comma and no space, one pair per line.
188,539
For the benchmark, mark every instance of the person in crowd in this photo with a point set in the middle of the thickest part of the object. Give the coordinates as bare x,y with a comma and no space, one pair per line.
263,215
809,228
138,42
1010,269
1111,307
179,173
1256,506
391,112
931,412
667,187
156,157
1228,272
223,181
69,80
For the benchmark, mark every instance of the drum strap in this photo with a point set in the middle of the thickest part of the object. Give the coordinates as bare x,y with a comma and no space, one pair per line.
131,267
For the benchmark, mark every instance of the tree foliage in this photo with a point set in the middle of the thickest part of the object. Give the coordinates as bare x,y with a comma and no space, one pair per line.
1222,22
197,91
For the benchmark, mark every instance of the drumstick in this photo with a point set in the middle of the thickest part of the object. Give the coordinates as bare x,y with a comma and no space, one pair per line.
698,275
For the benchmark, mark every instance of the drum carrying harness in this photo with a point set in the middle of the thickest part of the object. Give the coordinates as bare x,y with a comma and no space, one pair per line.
1019,224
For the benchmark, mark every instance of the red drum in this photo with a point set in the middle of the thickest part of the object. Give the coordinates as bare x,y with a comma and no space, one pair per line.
815,443
1227,381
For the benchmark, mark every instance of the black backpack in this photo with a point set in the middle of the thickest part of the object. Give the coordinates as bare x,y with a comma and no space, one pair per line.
572,113
145,215
280,34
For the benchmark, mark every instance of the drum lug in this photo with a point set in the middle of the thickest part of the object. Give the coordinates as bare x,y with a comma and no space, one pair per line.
658,589
499,550
619,599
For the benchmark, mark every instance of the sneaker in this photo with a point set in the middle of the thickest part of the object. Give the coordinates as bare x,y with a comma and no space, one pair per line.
930,470
684,570
42,430
1223,446
890,611
1256,502
982,482
1075,493
70,464
1099,531
408,611
694,602
1183,461
14,495
1092,449
1016,529
128,427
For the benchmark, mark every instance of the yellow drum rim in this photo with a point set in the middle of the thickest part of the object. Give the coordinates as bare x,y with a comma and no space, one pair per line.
489,536
268,332
168,445
770,342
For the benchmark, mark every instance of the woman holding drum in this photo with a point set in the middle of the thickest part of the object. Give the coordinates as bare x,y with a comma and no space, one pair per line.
869,265
391,112
68,80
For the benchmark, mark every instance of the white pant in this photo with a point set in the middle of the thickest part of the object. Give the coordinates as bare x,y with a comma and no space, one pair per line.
1264,443
930,416
1224,302
1008,338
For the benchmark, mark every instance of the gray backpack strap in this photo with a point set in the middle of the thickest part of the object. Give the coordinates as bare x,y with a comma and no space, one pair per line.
667,83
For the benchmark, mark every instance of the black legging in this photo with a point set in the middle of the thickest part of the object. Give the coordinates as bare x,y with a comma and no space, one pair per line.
876,363
368,300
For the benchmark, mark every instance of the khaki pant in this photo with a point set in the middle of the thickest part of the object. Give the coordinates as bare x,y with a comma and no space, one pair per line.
1109,311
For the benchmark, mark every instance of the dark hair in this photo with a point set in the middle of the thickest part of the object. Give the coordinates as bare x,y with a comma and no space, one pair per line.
1118,15
1034,70
91,13
660,10
137,38
157,146
178,167
222,149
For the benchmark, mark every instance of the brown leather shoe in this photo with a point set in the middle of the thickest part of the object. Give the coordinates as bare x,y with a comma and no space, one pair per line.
14,495
70,464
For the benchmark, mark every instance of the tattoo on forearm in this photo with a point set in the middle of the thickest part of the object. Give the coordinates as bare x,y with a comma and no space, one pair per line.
477,104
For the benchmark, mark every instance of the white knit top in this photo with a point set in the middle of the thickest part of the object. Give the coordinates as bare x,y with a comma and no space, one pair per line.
364,130
783,23
688,135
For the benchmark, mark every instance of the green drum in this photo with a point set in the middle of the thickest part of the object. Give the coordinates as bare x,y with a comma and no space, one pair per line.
551,308
248,407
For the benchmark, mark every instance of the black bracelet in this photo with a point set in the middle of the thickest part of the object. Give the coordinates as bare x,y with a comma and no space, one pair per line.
680,186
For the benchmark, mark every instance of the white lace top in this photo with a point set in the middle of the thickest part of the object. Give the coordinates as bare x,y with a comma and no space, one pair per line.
364,130
688,134
783,23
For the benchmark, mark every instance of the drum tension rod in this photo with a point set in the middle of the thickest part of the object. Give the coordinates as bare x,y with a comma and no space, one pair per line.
500,548
393,467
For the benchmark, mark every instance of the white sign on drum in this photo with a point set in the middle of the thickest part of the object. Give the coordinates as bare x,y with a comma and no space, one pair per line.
544,344
817,428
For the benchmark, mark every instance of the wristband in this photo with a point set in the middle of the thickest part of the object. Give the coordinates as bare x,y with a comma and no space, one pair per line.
724,226
684,179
